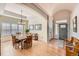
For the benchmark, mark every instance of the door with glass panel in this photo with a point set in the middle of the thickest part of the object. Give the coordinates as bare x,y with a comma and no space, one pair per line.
62,31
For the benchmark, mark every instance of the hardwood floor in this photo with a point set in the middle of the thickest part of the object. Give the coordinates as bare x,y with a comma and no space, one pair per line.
39,48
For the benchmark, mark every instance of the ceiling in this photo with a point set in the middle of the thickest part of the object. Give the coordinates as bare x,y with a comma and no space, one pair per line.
51,8
14,10
31,10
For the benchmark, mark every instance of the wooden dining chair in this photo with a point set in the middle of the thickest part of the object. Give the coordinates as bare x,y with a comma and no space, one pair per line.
76,50
18,33
28,42
69,51
35,36
15,41
71,40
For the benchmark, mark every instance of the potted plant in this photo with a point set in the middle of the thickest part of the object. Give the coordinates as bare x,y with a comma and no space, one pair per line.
27,30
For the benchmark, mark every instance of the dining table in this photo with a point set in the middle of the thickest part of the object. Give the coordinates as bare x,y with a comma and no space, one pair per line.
21,38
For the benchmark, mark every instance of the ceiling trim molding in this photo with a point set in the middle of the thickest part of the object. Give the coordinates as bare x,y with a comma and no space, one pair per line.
37,9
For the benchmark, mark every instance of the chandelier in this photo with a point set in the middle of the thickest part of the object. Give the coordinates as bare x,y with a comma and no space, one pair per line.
21,19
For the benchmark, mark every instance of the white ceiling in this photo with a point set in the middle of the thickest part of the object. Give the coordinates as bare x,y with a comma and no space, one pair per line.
14,10
51,8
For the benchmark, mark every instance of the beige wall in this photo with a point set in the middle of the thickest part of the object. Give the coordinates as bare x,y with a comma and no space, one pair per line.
2,6
42,33
8,19
75,13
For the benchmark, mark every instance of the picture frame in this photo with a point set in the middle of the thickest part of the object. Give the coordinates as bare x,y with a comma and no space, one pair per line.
38,26
31,27
75,24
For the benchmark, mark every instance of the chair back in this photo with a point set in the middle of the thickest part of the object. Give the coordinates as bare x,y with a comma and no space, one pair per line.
18,33
13,39
28,42
69,51
29,39
72,39
36,36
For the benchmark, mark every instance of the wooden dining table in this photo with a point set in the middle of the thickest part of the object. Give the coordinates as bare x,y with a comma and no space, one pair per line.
21,38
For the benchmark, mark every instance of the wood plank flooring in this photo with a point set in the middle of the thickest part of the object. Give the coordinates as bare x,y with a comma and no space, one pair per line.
39,48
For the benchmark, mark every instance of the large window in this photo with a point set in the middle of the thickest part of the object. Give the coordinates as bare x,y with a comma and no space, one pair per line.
5,29
14,28
8,29
20,28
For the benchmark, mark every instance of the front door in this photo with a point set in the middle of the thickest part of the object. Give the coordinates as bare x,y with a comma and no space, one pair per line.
62,31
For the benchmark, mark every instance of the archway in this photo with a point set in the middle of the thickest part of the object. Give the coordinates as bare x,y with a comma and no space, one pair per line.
61,17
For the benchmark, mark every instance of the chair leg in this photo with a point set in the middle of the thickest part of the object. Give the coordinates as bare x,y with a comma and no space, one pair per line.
16,46
21,45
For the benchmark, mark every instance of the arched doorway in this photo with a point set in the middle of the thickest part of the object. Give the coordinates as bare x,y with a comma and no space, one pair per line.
61,27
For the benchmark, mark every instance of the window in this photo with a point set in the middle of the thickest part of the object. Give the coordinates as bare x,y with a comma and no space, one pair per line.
20,28
14,28
5,29
8,29
63,26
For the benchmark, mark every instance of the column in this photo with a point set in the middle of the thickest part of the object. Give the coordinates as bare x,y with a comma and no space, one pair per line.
49,28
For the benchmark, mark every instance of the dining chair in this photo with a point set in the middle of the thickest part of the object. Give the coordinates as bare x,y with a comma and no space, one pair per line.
69,51
18,33
71,40
15,41
35,36
76,50
28,42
